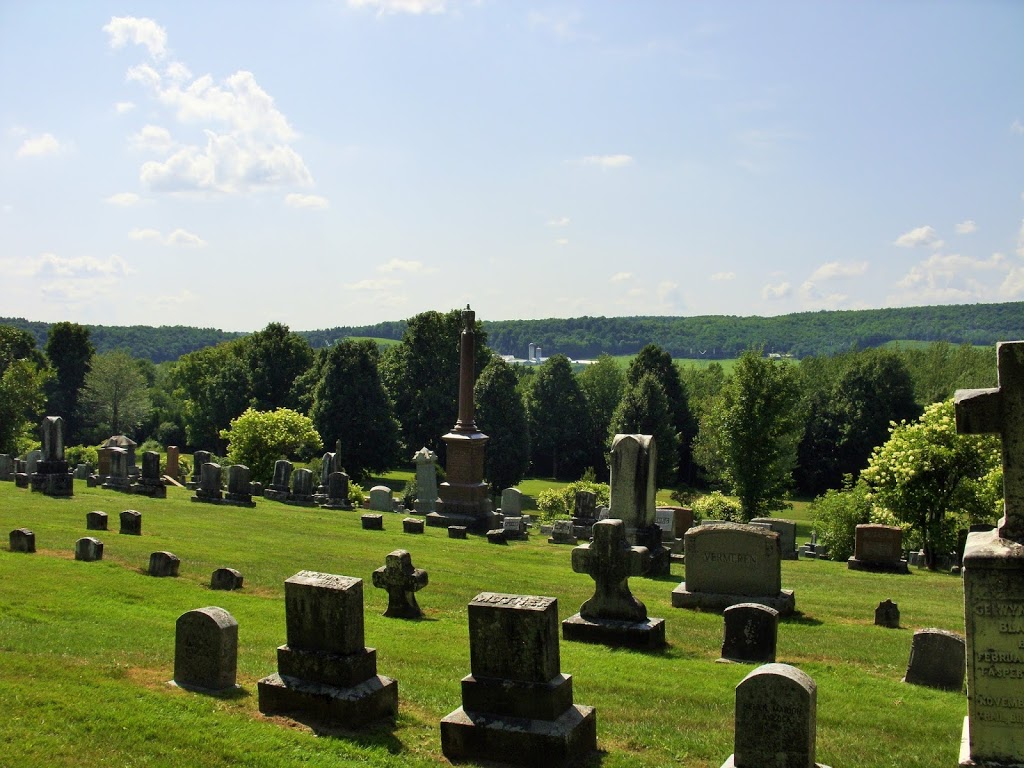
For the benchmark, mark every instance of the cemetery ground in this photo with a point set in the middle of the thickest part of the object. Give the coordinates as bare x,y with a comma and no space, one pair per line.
87,648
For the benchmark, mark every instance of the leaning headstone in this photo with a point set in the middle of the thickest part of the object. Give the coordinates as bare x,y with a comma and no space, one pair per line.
887,614
88,549
209,488
633,462
280,487
457,531
878,548
96,521
164,564
562,533
226,579
325,672
381,499
412,525
118,478
131,522
512,502
239,493
302,487
206,650
516,704
402,581
730,563
337,492
426,481
52,474
787,535
936,660
22,540
613,616
6,467
776,719
372,522
751,633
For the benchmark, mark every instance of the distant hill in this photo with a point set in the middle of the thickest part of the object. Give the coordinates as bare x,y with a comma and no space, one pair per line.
704,337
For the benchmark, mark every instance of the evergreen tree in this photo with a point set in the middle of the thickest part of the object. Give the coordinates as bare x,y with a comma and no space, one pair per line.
602,384
501,415
644,410
69,351
274,358
559,420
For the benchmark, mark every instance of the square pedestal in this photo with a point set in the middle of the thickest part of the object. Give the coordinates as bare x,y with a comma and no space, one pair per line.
371,699
631,634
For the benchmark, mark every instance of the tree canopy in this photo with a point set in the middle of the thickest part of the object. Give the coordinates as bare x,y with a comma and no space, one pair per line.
559,420
70,354
258,439
114,398
501,415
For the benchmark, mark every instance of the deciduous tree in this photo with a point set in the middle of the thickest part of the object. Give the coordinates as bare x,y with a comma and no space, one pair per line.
501,415
559,420
69,351
644,410
258,439
114,398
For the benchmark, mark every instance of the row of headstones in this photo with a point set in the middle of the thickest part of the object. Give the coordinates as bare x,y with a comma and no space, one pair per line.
120,476
296,486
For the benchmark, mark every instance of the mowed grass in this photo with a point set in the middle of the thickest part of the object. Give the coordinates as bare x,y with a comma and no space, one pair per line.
86,649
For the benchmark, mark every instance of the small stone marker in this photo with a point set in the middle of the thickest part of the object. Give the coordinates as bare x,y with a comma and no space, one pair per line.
562,533
887,614
776,719
515,528
878,548
751,633
496,536
88,549
226,579
206,650
402,582
457,531
131,522
613,615
96,521
372,522
516,704
163,564
381,499
325,672
937,660
22,540
412,525
787,535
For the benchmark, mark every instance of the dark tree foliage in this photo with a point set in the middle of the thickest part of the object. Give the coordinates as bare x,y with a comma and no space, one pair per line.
501,415
602,384
559,421
22,381
275,358
644,410
939,369
18,344
212,386
351,409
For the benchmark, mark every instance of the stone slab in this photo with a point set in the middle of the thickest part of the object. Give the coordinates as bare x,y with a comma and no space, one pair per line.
784,601
372,699
631,634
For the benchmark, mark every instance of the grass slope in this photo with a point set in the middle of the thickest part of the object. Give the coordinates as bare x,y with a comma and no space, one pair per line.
86,649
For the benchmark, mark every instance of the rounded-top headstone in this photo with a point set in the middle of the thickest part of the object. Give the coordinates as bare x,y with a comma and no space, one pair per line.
22,540
937,659
226,579
751,633
88,549
163,564
131,522
776,711
96,521
206,649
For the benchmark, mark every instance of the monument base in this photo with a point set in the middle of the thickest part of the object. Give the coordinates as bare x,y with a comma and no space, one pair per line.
480,736
155,490
966,761
342,505
275,495
60,484
631,634
446,519
784,602
370,700
865,565
238,500
731,764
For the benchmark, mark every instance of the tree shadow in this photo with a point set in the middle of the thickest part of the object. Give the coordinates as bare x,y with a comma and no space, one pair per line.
378,733
802,619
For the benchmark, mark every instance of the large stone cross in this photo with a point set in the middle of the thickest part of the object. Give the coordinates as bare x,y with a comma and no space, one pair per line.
1001,411
402,581
610,561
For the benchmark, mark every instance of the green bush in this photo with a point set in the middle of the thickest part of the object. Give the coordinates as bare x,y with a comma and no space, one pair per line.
150,445
356,495
81,454
561,502
716,506
836,515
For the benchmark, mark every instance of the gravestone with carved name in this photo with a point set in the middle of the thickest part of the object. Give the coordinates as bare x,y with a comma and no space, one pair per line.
206,650
878,548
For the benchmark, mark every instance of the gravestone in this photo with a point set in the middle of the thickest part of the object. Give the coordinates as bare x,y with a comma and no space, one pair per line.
584,508
328,464
496,536
878,548
163,564
372,522
22,540
302,488
381,499
776,719
426,481
412,525
787,535
993,574
613,616
173,469
206,650
512,502
562,533
209,488
337,492
32,459
457,531
82,471
226,579
131,523
887,614
279,488
103,463
6,467
21,477
402,582
730,563
515,528
150,483
198,459
239,493
325,672
517,706
52,476
937,660
118,478
88,549
751,633
665,518
633,486
96,521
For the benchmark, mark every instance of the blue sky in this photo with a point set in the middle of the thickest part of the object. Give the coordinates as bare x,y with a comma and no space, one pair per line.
229,164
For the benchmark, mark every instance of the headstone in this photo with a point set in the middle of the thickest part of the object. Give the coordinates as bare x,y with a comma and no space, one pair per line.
426,481
173,469
776,719
512,502
22,540
6,467
337,492
402,582
131,522
613,616
32,459
603,513
51,475
787,535
328,464
239,492
732,563
457,531
96,521
665,518
878,548
372,522
206,650
751,633
163,564
496,536
280,488
993,574
516,704
198,459
118,478
82,471
325,672
562,533
21,479
633,487
226,579
209,488
937,660
302,487
103,461
887,614
584,508
515,528
150,482
88,549
412,525
381,499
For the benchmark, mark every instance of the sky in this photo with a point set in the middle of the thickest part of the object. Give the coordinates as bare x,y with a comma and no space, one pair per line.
325,163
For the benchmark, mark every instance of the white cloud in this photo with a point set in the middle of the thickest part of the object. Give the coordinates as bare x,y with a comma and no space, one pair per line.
1017,127
561,221
37,146
124,107
52,265
835,270
668,291
167,302
152,138
774,292
123,198
1012,288
414,7
719,276
608,161
921,236
561,241
295,200
814,297
177,237
379,284
619,277
398,265
145,234
129,29
966,227
963,279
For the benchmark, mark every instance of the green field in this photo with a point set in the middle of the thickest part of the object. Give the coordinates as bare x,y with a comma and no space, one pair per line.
86,649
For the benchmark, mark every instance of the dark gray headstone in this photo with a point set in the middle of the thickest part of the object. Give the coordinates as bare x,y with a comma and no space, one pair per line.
22,540
131,522
457,531
412,525
88,549
226,578
163,564
937,660
402,581
496,536
206,649
751,633
887,614
372,522
96,521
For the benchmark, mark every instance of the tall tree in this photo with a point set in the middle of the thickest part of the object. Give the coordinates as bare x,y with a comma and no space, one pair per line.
559,420
602,384
275,358
212,386
501,415
69,351
114,398
644,410
22,381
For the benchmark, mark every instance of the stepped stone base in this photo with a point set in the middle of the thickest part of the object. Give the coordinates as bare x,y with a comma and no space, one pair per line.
630,634
863,565
784,602
731,764
370,700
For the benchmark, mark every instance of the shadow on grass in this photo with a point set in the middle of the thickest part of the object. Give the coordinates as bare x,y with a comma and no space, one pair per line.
228,694
798,617
379,733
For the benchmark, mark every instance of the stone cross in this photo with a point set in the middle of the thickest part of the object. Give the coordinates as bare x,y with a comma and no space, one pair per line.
610,561
1001,411
402,581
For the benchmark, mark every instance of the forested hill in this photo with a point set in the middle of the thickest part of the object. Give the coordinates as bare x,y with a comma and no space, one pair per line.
710,336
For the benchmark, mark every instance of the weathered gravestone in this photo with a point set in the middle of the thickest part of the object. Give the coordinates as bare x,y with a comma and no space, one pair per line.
515,528
279,488
302,488
118,480
226,579
402,581
372,521
787,535
496,536
206,650
239,493
337,492
516,704
96,521
776,719
936,660
633,486
562,533
22,540
426,481
878,548
32,459
163,564
150,482
381,499
88,549
209,488
412,525
887,614
730,563
131,522
6,467
328,464
173,469
198,459
52,474
21,476
613,616
751,633
584,508
325,672
512,502
82,471
457,531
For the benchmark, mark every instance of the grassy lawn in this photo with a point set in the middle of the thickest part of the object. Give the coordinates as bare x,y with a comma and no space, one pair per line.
86,649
